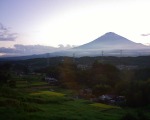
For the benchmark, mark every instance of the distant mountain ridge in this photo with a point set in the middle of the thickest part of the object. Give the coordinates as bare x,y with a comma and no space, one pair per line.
109,44
111,41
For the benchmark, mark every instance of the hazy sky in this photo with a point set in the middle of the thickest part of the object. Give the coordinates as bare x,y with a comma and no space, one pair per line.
75,22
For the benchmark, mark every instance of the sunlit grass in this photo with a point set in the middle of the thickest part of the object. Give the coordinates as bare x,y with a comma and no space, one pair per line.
104,106
29,80
38,83
52,105
80,110
47,93
47,97
21,84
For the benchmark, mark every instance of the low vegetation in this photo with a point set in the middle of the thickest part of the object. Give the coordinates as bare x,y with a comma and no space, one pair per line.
26,96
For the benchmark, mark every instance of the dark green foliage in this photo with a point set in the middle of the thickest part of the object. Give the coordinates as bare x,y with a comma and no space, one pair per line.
8,92
12,98
101,89
18,104
12,83
129,116
68,74
136,92
37,63
142,74
139,116
105,74
142,116
5,73
101,77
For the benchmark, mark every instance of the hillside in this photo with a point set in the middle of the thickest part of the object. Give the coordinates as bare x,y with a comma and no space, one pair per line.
30,94
35,101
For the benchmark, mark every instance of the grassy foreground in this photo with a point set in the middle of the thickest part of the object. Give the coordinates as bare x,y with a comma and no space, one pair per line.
37,102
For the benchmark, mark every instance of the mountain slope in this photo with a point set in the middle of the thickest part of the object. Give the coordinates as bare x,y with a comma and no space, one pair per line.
109,44
112,41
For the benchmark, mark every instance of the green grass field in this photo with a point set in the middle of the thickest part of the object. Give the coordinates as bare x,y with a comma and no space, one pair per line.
27,103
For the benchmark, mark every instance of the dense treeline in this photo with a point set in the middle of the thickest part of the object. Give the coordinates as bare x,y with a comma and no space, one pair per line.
105,79
5,73
37,63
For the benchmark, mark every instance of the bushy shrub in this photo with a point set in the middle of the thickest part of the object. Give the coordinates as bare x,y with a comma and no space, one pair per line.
12,83
129,116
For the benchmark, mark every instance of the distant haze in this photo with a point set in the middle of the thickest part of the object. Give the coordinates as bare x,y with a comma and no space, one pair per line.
109,44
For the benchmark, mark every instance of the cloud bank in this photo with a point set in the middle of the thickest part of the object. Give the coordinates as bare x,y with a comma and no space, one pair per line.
21,50
6,35
148,34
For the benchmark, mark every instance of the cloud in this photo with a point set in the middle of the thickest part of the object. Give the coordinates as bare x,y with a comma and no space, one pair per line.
61,46
148,44
8,50
34,49
6,35
20,50
145,34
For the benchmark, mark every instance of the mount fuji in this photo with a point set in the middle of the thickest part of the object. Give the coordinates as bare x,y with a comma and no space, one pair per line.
109,44
112,41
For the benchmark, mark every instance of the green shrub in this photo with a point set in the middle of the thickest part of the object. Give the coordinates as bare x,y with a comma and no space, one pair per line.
142,116
8,92
129,116
18,104
12,83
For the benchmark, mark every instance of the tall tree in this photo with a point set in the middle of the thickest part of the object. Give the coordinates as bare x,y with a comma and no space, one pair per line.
5,73
68,74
